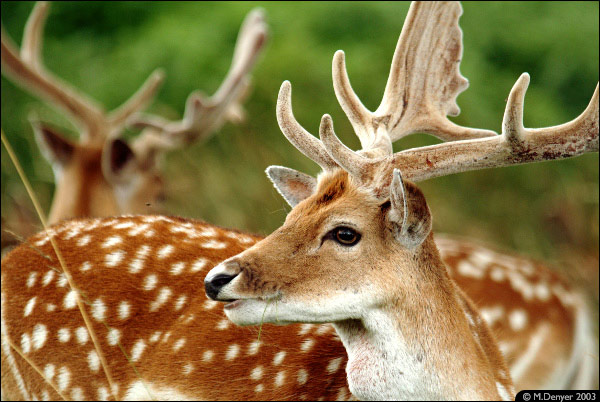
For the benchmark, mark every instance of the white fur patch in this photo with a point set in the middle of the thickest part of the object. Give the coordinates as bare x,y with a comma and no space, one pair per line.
31,279
113,259
165,251
113,337
48,277
163,295
177,268
278,359
208,355
137,350
98,310
150,282
256,373
124,310
29,306
199,264
93,361
232,352
39,336
82,335
63,379
70,300
64,334
112,241
302,376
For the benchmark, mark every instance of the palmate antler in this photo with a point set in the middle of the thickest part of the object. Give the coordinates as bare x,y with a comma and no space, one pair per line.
27,69
203,116
421,90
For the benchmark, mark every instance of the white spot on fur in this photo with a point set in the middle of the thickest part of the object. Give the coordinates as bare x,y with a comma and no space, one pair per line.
166,336
259,388
29,306
334,365
124,310
542,291
199,264
466,268
180,302
518,319
113,259
491,314
61,282
280,379
210,304
137,350
64,334
155,337
165,251
50,307
302,376
323,329
187,369
103,394
178,345
232,352
112,241
39,336
253,348
214,244
138,263
307,344
113,336
223,324
149,233
278,358
497,274
84,240
305,329
124,225
48,277
177,268
93,361
256,373
208,355
163,295
77,394
138,229
25,343
49,371
98,310
70,300
63,379
86,266
82,335
150,282
31,279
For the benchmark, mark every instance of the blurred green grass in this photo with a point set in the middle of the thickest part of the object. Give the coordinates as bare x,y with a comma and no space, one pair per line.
547,210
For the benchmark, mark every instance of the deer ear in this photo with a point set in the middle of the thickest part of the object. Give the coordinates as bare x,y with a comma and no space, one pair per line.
409,213
118,161
293,185
54,146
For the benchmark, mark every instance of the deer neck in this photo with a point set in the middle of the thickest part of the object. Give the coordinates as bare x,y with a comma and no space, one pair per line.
431,347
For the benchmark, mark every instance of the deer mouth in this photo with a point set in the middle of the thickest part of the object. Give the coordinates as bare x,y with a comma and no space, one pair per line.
233,304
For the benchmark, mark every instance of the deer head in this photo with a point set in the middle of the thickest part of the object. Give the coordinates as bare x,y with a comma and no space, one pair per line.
101,174
357,248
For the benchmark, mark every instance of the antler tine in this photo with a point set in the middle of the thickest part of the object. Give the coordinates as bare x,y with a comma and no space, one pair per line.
31,47
516,145
358,166
203,116
28,70
423,84
119,117
304,141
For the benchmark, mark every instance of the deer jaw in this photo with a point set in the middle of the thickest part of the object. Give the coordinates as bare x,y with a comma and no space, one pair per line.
400,317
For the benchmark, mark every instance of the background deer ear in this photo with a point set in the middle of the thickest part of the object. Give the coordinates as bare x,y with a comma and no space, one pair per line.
57,149
409,213
118,161
293,185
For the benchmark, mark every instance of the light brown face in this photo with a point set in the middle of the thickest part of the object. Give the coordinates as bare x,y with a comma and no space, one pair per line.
332,259
94,180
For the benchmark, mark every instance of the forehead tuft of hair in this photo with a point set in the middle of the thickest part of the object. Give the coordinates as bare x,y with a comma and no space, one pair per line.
332,186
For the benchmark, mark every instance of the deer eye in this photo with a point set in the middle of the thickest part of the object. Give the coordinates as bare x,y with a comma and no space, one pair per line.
346,236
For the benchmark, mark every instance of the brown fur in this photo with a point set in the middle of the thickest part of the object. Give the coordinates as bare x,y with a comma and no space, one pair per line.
208,329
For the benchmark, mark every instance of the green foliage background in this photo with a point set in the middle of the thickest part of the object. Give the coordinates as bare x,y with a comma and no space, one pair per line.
547,210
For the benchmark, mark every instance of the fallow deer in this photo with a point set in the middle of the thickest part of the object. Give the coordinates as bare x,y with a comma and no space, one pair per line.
101,175
160,337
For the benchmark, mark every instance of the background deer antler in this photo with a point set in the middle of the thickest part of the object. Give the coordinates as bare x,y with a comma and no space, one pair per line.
203,116
27,68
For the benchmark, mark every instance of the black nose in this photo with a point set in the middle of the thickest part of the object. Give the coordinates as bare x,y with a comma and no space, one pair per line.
216,284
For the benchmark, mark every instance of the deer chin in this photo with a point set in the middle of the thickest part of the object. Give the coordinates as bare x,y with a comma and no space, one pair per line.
253,311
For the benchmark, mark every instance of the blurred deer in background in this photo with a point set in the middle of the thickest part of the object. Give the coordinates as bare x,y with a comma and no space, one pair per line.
356,250
102,175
